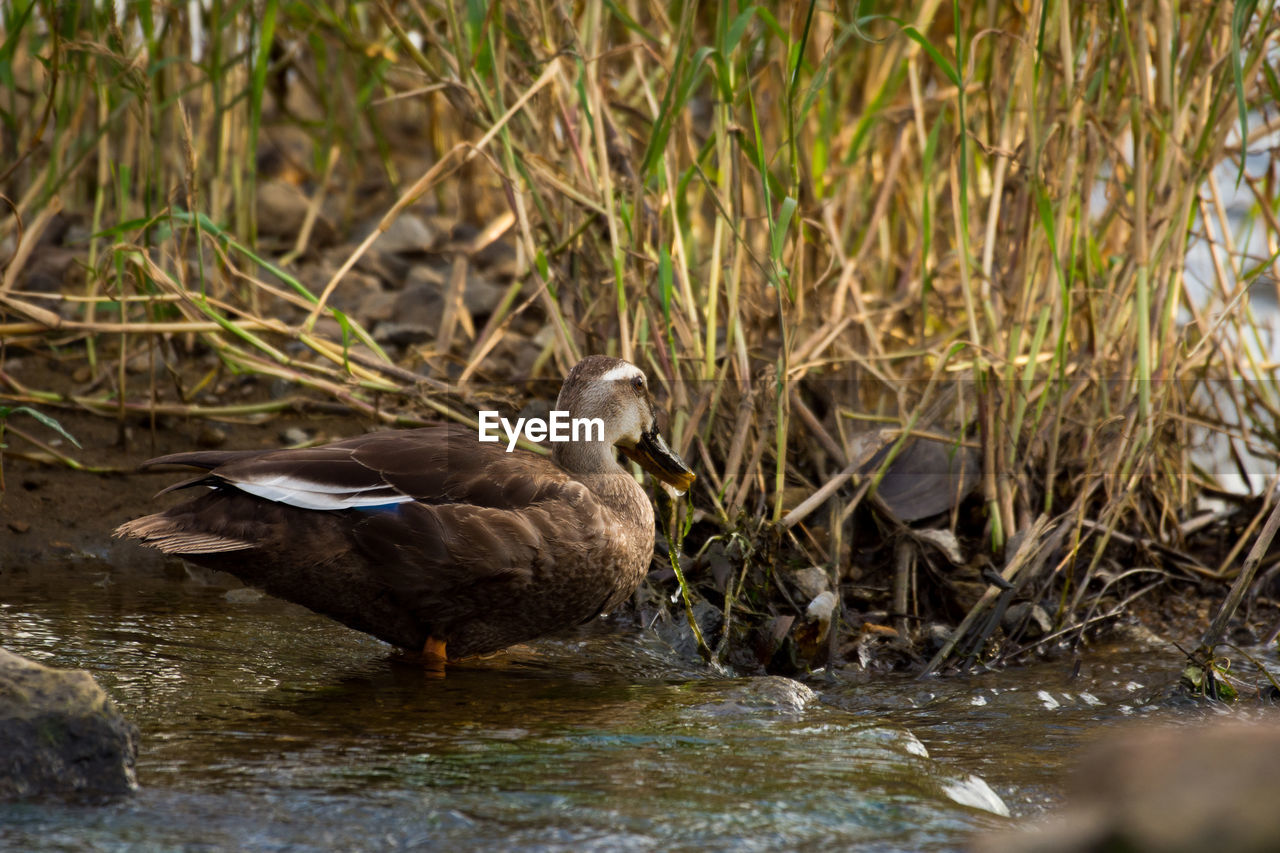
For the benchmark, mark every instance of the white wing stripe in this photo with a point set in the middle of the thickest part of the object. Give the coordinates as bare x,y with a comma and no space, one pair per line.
288,481
306,495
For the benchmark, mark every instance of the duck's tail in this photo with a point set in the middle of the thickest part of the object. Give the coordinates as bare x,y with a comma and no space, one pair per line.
167,534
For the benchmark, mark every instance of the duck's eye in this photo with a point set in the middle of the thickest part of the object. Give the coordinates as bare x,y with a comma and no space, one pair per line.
638,383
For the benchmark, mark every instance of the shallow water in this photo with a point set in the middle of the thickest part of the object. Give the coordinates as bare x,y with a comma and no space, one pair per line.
265,727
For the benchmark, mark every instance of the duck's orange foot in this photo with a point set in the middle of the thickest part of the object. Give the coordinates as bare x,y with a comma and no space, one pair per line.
434,656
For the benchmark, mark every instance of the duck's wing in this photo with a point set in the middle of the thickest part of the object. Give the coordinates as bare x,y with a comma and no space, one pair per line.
428,553
507,573
434,465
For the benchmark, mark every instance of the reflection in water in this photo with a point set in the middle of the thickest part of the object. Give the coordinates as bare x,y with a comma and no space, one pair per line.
266,726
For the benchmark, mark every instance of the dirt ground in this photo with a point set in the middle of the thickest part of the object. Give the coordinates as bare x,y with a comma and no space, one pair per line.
48,507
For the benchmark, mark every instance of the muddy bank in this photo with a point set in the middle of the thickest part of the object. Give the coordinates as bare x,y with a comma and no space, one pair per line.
48,508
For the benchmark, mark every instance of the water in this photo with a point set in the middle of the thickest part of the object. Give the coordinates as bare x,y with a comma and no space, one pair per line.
265,727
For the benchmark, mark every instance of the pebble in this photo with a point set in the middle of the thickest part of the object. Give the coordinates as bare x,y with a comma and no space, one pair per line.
211,436
408,234
811,581
294,436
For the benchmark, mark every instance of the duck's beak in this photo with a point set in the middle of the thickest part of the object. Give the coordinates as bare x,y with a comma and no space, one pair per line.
652,454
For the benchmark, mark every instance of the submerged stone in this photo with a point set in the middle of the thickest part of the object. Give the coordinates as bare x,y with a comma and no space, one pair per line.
768,694
60,733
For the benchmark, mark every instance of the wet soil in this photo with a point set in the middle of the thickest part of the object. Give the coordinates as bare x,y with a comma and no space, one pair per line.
48,508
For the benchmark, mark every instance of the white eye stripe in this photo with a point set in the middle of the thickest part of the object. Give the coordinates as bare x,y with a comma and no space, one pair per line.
622,371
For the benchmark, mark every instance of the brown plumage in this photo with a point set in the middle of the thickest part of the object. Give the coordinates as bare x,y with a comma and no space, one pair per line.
428,538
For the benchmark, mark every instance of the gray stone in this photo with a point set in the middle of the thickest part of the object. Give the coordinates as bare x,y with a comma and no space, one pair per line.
416,317
674,629
418,305
812,581
402,334
282,207
211,436
1028,616
60,733
294,436
482,296
408,234
377,306
429,276
768,695
480,293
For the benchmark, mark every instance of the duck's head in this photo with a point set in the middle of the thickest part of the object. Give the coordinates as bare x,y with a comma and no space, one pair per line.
617,392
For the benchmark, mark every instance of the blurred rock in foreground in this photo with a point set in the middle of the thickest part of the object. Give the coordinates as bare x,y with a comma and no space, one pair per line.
1188,788
60,734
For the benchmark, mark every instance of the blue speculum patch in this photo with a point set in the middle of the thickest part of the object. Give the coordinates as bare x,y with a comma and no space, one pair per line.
391,507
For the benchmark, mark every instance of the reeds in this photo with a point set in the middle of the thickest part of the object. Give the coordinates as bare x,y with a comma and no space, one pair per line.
965,219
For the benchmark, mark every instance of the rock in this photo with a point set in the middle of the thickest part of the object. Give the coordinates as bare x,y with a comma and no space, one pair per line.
715,558
675,632
294,436
48,270
481,296
204,577
416,317
281,209
926,478
767,695
403,334
822,607
419,304
1134,633
326,327
499,260
935,635
60,733
811,582
408,234
211,436
428,276
351,293
388,268
284,152
793,496
1025,613
1170,789
377,306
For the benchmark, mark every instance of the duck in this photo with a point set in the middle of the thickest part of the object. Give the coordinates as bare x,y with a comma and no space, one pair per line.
430,539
